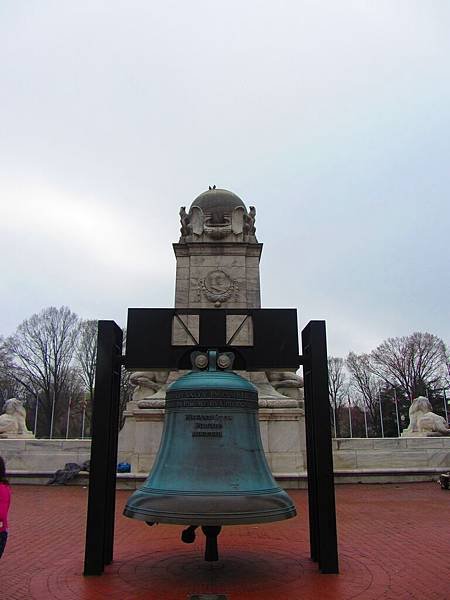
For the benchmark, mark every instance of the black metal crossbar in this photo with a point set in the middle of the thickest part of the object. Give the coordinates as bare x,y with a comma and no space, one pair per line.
149,338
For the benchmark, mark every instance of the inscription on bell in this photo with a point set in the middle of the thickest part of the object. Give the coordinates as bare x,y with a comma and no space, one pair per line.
208,426
209,418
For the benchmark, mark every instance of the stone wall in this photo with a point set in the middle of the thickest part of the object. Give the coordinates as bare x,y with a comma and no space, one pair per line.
372,460
391,453
43,455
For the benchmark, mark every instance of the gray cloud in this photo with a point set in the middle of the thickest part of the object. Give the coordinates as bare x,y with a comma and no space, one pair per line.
333,119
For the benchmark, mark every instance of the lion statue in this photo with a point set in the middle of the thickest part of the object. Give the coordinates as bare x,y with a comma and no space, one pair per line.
423,422
13,420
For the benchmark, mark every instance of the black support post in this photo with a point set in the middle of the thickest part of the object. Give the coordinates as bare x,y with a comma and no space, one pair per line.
322,509
105,428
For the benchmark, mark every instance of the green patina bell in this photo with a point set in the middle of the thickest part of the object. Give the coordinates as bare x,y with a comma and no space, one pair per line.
210,469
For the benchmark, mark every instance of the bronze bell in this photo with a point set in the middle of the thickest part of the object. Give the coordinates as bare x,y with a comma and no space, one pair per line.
210,469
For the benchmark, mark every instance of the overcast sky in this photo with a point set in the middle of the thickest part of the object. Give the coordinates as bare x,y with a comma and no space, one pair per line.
332,118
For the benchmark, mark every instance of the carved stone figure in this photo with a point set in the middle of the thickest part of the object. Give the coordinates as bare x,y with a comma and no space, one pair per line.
186,228
218,287
423,422
249,221
287,383
148,383
13,420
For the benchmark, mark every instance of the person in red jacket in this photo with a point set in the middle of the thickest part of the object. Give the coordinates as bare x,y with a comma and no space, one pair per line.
5,499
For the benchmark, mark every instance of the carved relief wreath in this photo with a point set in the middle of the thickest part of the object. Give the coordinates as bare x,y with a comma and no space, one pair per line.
218,287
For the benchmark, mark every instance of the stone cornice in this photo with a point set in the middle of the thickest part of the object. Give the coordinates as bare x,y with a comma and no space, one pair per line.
217,249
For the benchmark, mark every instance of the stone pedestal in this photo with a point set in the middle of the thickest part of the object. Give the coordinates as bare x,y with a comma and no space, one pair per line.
283,438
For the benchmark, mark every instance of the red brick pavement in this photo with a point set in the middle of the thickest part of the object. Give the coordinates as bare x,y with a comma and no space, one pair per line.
394,543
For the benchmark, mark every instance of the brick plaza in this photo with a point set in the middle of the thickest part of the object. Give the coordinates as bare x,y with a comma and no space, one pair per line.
394,543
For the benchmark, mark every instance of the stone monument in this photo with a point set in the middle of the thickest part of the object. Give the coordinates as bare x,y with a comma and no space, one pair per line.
217,265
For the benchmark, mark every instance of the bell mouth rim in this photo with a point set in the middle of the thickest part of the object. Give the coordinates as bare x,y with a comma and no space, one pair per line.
221,519
179,508
208,493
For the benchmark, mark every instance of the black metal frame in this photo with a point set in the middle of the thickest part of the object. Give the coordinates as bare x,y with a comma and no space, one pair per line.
322,509
105,431
105,416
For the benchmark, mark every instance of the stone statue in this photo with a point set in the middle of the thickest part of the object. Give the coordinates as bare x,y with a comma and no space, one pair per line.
252,215
186,228
13,420
249,221
423,422
148,383
287,383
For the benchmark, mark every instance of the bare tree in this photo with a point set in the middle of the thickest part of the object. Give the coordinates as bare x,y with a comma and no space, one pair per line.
366,384
42,349
74,392
337,387
126,392
412,363
126,389
447,370
9,387
86,358
87,354
12,386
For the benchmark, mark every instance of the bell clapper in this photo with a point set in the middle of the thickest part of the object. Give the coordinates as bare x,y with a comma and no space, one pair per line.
188,535
211,532
211,551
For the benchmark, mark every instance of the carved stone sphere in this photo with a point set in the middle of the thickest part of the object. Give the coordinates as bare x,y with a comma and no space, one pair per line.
218,205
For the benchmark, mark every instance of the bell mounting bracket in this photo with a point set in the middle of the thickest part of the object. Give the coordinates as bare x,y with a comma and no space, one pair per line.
273,343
